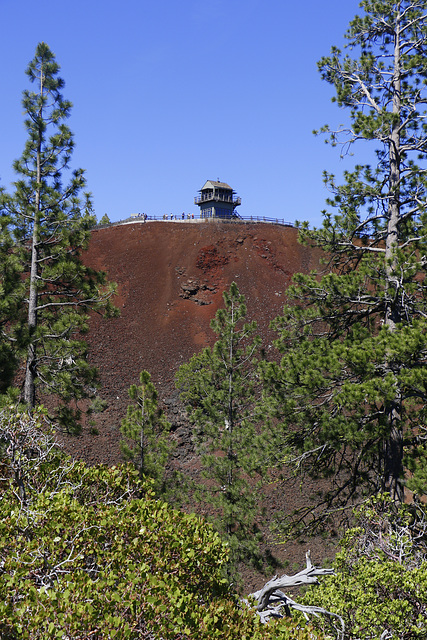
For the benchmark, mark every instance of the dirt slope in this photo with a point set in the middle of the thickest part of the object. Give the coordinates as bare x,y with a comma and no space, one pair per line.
171,276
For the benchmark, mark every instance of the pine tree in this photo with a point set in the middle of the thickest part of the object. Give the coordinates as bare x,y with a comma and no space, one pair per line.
147,433
51,225
105,219
219,386
11,293
351,388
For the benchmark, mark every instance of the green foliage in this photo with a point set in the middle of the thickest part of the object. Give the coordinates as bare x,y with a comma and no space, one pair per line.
417,465
105,219
50,224
219,387
11,292
380,588
351,388
90,554
336,393
147,431
98,405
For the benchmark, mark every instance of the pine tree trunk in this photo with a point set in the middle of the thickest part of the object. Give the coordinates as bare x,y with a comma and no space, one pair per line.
393,449
230,426
31,366
141,441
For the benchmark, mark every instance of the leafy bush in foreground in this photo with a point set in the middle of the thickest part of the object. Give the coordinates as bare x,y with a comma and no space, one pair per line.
88,553
380,588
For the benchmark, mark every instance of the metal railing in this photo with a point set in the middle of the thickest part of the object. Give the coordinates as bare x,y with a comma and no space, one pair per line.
207,197
196,219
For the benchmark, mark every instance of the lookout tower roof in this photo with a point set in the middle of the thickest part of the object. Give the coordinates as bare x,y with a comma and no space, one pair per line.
211,184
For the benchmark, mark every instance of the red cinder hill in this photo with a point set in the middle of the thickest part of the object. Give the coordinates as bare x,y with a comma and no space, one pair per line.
171,277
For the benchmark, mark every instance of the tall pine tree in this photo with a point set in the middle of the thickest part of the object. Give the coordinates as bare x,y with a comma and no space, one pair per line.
352,385
147,431
51,224
220,386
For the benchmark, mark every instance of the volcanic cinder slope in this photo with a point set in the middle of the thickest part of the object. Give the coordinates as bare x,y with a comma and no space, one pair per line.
171,277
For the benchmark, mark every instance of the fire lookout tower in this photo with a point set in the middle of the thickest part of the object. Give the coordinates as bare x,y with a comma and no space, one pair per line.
217,200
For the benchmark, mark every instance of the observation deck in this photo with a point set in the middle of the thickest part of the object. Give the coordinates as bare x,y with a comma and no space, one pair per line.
217,200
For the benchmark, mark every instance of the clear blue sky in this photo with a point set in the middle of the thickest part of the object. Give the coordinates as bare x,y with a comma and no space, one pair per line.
170,93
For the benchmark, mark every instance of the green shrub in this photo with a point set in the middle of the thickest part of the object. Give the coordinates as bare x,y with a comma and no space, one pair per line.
381,581
88,553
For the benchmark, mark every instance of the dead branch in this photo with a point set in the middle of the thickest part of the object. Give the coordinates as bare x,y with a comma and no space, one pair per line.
273,603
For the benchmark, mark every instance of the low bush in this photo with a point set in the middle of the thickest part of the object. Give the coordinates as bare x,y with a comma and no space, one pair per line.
88,553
